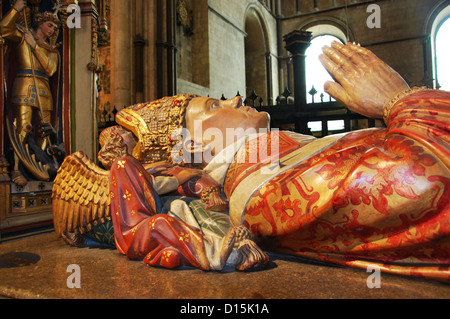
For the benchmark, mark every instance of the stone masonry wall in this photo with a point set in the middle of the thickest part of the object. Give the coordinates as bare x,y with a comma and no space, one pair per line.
219,67
401,41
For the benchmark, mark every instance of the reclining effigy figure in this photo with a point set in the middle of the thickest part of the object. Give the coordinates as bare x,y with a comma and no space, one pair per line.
376,196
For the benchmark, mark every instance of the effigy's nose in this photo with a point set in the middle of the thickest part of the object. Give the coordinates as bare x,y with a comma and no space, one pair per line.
236,102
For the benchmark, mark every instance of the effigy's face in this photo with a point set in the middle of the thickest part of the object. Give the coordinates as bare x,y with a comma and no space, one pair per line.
212,119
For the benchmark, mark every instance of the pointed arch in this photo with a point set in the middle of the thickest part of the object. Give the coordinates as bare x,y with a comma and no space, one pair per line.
322,34
328,25
437,23
257,54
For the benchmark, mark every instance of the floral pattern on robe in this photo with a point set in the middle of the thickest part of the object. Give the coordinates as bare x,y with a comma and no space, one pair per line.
376,196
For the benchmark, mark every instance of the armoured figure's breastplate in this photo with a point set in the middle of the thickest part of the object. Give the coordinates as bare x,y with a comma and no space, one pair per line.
24,90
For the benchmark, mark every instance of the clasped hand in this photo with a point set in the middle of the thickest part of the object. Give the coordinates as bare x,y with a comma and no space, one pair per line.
364,83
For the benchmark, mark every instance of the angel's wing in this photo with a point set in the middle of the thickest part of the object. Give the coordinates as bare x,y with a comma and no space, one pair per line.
80,196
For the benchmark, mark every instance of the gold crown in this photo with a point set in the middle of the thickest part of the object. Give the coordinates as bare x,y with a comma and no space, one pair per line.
46,16
157,125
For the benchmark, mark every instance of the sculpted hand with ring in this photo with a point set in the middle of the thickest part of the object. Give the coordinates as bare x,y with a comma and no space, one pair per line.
364,82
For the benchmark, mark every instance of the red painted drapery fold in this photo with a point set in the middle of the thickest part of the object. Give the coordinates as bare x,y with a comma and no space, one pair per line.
140,231
377,196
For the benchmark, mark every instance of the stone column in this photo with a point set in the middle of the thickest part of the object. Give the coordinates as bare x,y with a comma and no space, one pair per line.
171,48
268,56
139,45
85,81
160,46
121,51
5,188
296,43
2,93
279,9
166,48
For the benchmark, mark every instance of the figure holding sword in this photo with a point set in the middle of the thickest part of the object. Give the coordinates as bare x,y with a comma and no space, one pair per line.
36,61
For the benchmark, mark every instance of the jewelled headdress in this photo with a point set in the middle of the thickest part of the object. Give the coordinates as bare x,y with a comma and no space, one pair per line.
157,125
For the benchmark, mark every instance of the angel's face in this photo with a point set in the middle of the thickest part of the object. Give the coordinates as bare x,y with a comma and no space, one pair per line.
48,28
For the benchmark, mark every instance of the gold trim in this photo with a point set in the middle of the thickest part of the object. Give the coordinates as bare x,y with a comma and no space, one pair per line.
388,106
133,122
30,204
157,125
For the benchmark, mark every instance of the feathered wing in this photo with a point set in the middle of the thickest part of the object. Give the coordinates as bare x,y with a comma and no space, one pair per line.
80,196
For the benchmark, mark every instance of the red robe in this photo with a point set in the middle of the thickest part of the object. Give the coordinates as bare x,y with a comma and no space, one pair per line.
139,231
376,196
